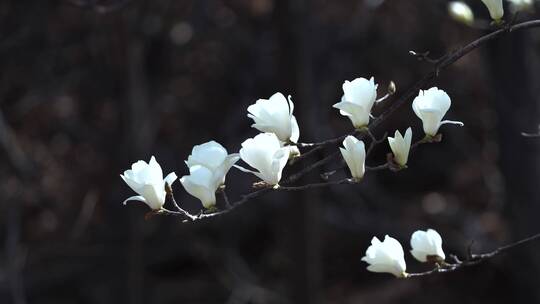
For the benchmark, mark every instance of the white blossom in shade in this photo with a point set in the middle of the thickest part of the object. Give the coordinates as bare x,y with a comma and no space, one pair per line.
427,246
275,115
215,158
401,145
521,5
265,153
201,184
461,12
358,98
147,180
386,256
354,153
431,106
495,8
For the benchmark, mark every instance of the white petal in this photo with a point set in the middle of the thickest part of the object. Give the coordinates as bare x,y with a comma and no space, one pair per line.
134,198
170,178
426,243
408,137
430,121
355,156
200,184
244,169
360,91
279,161
386,256
452,122
495,8
154,195
221,171
210,154
155,169
135,186
358,114
258,151
273,115
295,130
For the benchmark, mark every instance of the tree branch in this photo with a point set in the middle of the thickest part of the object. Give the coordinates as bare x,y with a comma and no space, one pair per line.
439,65
473,259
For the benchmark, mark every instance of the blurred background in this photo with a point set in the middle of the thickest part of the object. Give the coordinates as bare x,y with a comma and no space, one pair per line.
87,87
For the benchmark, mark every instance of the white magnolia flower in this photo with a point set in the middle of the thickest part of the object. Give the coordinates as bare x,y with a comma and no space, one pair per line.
275,115
201,183
147,180
431,106
521,5
215,158
495,8
401,146
427,245
208,165
358,98
461,12
354,155
265,153
386,256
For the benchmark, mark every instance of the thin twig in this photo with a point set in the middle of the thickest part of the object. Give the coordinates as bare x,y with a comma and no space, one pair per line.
182,212
306,154
347,181
424,57
328,141
225,197
375,141
378,168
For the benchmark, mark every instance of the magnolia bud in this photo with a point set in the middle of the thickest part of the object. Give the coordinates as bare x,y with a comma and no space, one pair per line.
461,12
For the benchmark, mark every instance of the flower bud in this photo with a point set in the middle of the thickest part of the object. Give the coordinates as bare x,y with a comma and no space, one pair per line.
386,256
265,153
461,12
358,98
147,180
275,115
354,154
431,106
427,246
401,146
495,8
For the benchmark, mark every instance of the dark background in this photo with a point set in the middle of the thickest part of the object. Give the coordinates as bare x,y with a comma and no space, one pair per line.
89,87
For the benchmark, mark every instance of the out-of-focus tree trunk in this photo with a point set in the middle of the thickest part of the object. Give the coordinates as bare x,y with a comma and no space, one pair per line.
514,64
293,17
140,138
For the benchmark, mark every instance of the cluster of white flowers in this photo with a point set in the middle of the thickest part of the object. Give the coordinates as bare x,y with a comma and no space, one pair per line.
268,152
210,162
388,256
